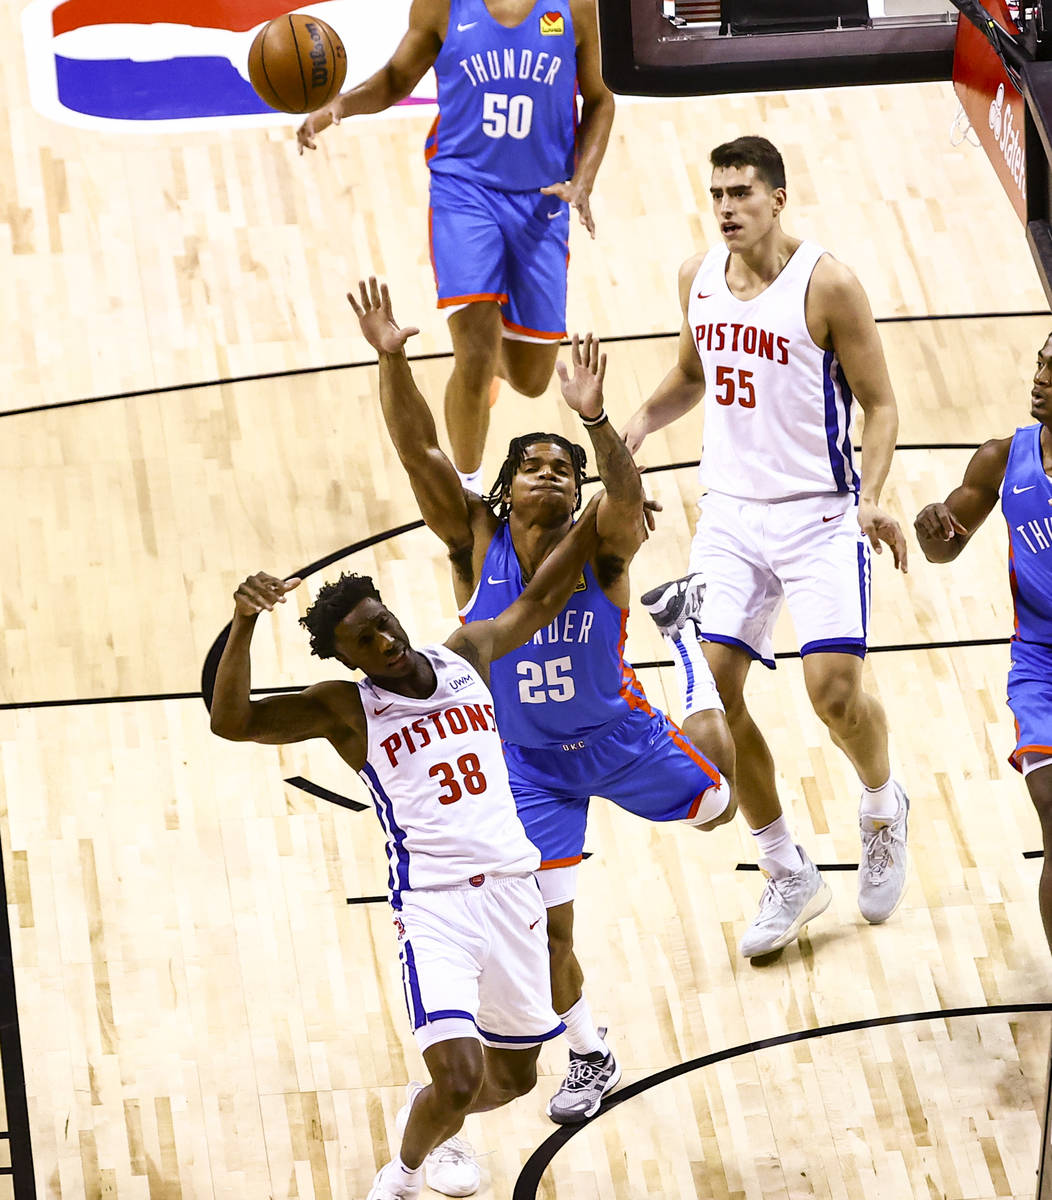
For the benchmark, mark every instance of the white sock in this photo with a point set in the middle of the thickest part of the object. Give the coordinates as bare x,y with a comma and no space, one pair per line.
472,480
581,1032
696,684
776,844
881,803
401,1172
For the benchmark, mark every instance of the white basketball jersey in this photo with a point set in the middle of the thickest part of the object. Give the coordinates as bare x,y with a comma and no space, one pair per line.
778,409
435,768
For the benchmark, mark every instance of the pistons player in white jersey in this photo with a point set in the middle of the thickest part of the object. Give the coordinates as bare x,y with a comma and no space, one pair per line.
779,339
1017,472
470,918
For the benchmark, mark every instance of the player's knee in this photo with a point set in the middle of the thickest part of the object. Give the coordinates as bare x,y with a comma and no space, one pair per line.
459,1085
835,702
1039,784
710,731
718,806
518,1081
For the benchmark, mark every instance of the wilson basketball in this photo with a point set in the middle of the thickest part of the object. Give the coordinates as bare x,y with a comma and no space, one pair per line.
297,63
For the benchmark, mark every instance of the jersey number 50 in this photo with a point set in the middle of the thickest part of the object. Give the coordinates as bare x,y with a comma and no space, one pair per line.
506,115
556,682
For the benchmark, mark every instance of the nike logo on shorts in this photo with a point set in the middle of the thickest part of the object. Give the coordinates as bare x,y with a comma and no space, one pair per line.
469,25
534,925
552,216
832,518
1017,489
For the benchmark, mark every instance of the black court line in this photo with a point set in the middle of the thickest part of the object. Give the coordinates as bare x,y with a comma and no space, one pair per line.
528,1182
293,372
11,1064
316,789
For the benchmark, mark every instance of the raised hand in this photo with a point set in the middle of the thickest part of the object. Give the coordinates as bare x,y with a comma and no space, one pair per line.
576,195
584,391
879,527
262,591
373,311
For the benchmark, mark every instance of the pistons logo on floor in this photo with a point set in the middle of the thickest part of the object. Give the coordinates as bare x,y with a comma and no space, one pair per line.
171,65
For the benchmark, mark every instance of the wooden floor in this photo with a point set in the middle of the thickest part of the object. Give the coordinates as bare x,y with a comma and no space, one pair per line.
201,1012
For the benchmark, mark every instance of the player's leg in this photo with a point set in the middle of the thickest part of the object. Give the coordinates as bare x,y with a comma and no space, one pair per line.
467,254
475,332
1038,772
825,569
442,946
536,230
554,818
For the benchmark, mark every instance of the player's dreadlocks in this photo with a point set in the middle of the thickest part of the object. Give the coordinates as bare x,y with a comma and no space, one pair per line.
332,603
497,497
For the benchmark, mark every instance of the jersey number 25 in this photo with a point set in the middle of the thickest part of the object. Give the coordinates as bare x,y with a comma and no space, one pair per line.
553,683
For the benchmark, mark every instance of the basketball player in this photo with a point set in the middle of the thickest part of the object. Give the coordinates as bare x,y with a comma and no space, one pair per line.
779,338
1017,470
420,730
507,158
574,718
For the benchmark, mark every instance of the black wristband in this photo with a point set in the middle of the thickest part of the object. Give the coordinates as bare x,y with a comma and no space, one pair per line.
592,422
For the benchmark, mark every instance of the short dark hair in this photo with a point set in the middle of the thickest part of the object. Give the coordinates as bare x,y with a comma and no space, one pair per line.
496,497
332,603
752,151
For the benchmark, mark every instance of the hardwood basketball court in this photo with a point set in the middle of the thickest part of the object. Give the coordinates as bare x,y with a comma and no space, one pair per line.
208,1000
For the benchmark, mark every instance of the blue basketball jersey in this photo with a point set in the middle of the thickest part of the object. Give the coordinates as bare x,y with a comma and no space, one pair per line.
570,682
1026,501
507,107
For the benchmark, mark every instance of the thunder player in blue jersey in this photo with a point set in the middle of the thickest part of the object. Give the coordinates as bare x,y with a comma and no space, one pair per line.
507,157
573,717
1018,470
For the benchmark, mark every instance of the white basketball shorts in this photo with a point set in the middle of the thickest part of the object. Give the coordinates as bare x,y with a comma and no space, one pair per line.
809,552
475,963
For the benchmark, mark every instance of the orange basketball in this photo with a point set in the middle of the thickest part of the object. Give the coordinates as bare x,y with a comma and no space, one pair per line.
297,63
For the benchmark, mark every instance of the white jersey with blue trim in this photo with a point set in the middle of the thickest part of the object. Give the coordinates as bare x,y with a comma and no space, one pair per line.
778,408
436,773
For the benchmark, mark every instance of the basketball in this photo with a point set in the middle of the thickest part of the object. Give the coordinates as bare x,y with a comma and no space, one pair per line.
297,63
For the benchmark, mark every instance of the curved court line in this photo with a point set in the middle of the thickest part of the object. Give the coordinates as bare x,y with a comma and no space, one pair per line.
530,1176
614,339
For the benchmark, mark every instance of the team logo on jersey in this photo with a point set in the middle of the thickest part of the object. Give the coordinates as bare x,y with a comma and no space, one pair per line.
552,24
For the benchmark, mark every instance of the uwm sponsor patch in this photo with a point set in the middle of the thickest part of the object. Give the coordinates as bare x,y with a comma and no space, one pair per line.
552,24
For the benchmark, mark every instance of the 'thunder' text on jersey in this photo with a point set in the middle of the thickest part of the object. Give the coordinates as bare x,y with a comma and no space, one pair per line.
507,98
1026,501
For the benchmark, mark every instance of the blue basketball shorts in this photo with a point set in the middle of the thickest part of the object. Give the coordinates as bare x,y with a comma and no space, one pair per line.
512,247
645,764
1030,699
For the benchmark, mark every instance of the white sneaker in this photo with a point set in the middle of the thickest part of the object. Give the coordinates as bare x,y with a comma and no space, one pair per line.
386,1186
787,904
882,867
451,1167
673,604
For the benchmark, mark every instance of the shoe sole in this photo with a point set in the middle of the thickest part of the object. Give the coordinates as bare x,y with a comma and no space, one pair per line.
574,1119
817,905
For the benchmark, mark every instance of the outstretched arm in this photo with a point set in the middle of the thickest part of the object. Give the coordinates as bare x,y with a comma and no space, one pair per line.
414,56
597,117
448,510
275,720
682,388
541,600
619,522
944,530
